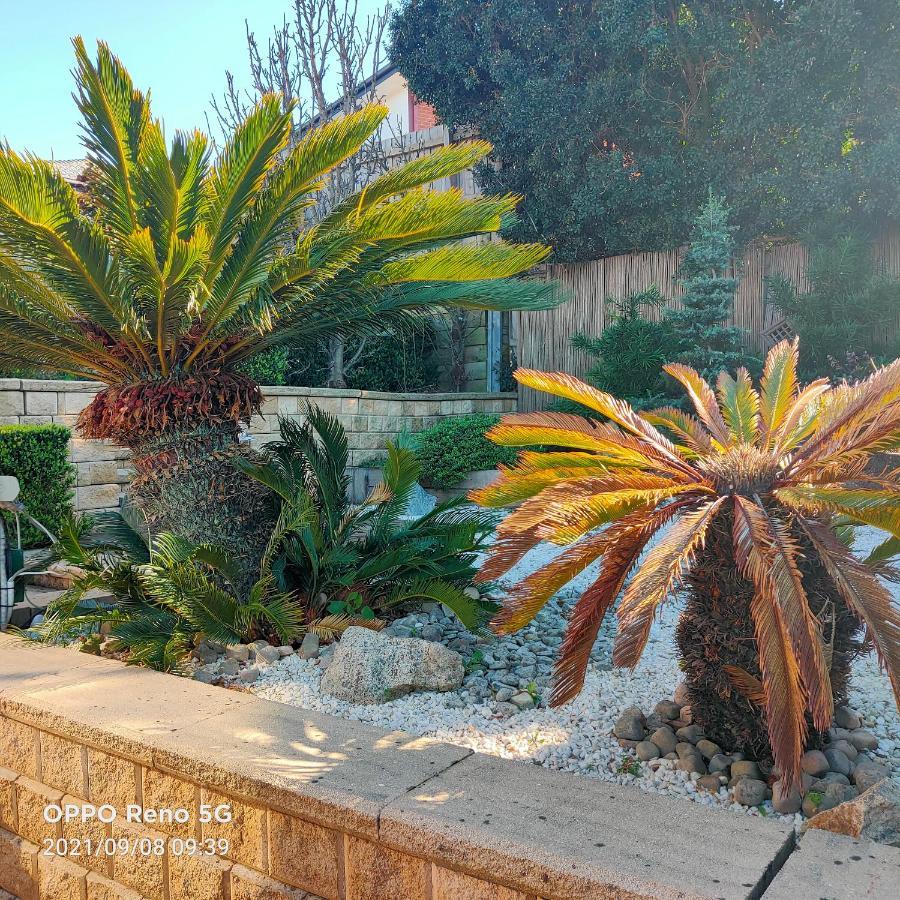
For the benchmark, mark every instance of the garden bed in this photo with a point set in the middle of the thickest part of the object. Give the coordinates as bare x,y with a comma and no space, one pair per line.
491,711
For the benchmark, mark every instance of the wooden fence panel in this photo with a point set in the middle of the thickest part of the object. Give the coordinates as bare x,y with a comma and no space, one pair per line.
543,338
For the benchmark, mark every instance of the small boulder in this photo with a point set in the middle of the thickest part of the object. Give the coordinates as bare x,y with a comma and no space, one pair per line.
432,633
665,739
868,773
205,677
814,762
844,717
710,783
745,768
719,763
863,740
874,815
692,762
750,792
229,667
309,646
646,750
687,714
370,668
249,675
692,733
267,654
846,748
522,700
786,802
630,726
285,650
667,709
681,694
838,762
240,652
684,748
708,748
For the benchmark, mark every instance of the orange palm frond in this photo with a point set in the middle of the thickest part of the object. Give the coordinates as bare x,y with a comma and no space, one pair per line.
657,578
782,685
513,485
768,555
703,398
778,388
878,508
740,406
745,683
562,385
626,541
684,426
869,599
527,598
506,552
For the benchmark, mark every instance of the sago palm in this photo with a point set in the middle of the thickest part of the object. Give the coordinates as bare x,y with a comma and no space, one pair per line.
177,265
742,503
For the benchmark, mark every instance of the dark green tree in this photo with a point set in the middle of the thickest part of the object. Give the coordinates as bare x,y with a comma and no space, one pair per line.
709,344
848,315
611,116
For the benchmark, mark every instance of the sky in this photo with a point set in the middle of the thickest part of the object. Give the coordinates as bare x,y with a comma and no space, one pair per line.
179,49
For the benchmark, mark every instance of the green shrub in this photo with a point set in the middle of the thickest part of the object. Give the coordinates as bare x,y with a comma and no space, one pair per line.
38,455
453,448
269,367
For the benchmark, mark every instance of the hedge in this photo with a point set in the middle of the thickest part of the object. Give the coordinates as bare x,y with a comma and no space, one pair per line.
453,448
38,455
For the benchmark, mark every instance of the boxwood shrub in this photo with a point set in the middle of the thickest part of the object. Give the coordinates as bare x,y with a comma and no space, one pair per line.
453,448
38,455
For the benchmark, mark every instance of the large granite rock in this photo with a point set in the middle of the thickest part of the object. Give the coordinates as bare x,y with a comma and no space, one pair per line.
369,667
874,815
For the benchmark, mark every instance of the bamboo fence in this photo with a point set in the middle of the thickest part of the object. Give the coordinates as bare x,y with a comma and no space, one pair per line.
542,339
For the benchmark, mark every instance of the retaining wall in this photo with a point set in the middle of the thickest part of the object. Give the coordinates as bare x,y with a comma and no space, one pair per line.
371,418
320,805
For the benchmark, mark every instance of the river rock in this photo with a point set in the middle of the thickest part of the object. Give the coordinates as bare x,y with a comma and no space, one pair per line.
667,709
719,763
844,717
692,733
309,647
868,773
681,694
709,749
750,792
630,725
647,750
786,802
838,762
267,654
846,748
710,783
744,768
240,652
874,815
370,668
814,762
665,739
863,740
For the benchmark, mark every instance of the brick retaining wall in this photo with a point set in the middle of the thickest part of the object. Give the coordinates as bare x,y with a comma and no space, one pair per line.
371,418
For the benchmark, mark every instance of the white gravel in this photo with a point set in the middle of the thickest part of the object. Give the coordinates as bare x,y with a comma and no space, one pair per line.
576,738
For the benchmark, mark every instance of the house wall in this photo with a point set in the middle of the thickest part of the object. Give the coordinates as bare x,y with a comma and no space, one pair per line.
371,419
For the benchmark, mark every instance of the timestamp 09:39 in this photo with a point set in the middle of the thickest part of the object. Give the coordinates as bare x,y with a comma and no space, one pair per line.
137,846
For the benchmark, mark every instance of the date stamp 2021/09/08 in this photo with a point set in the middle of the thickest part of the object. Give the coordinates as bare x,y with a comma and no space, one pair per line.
137,845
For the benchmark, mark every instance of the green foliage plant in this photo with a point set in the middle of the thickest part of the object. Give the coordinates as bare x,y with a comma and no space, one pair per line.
164,596
708,344
848,315
38,455
368,561
630,353
454,447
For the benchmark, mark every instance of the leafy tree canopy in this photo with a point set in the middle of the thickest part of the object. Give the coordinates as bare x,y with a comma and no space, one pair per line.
613,117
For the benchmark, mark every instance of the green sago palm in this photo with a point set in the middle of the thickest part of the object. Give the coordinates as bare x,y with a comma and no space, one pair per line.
176,265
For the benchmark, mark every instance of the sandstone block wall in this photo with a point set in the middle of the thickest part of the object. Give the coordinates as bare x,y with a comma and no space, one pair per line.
371,418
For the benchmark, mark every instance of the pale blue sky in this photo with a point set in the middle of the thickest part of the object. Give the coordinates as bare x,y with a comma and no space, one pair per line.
177,48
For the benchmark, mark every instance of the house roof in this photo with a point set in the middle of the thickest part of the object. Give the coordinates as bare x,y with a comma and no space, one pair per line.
70,169
363,87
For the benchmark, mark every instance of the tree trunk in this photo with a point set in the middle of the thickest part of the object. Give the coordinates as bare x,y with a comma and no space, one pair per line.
716,629
186,483
336,375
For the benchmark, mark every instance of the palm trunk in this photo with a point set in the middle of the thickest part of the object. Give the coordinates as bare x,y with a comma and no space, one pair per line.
716,630
186,483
